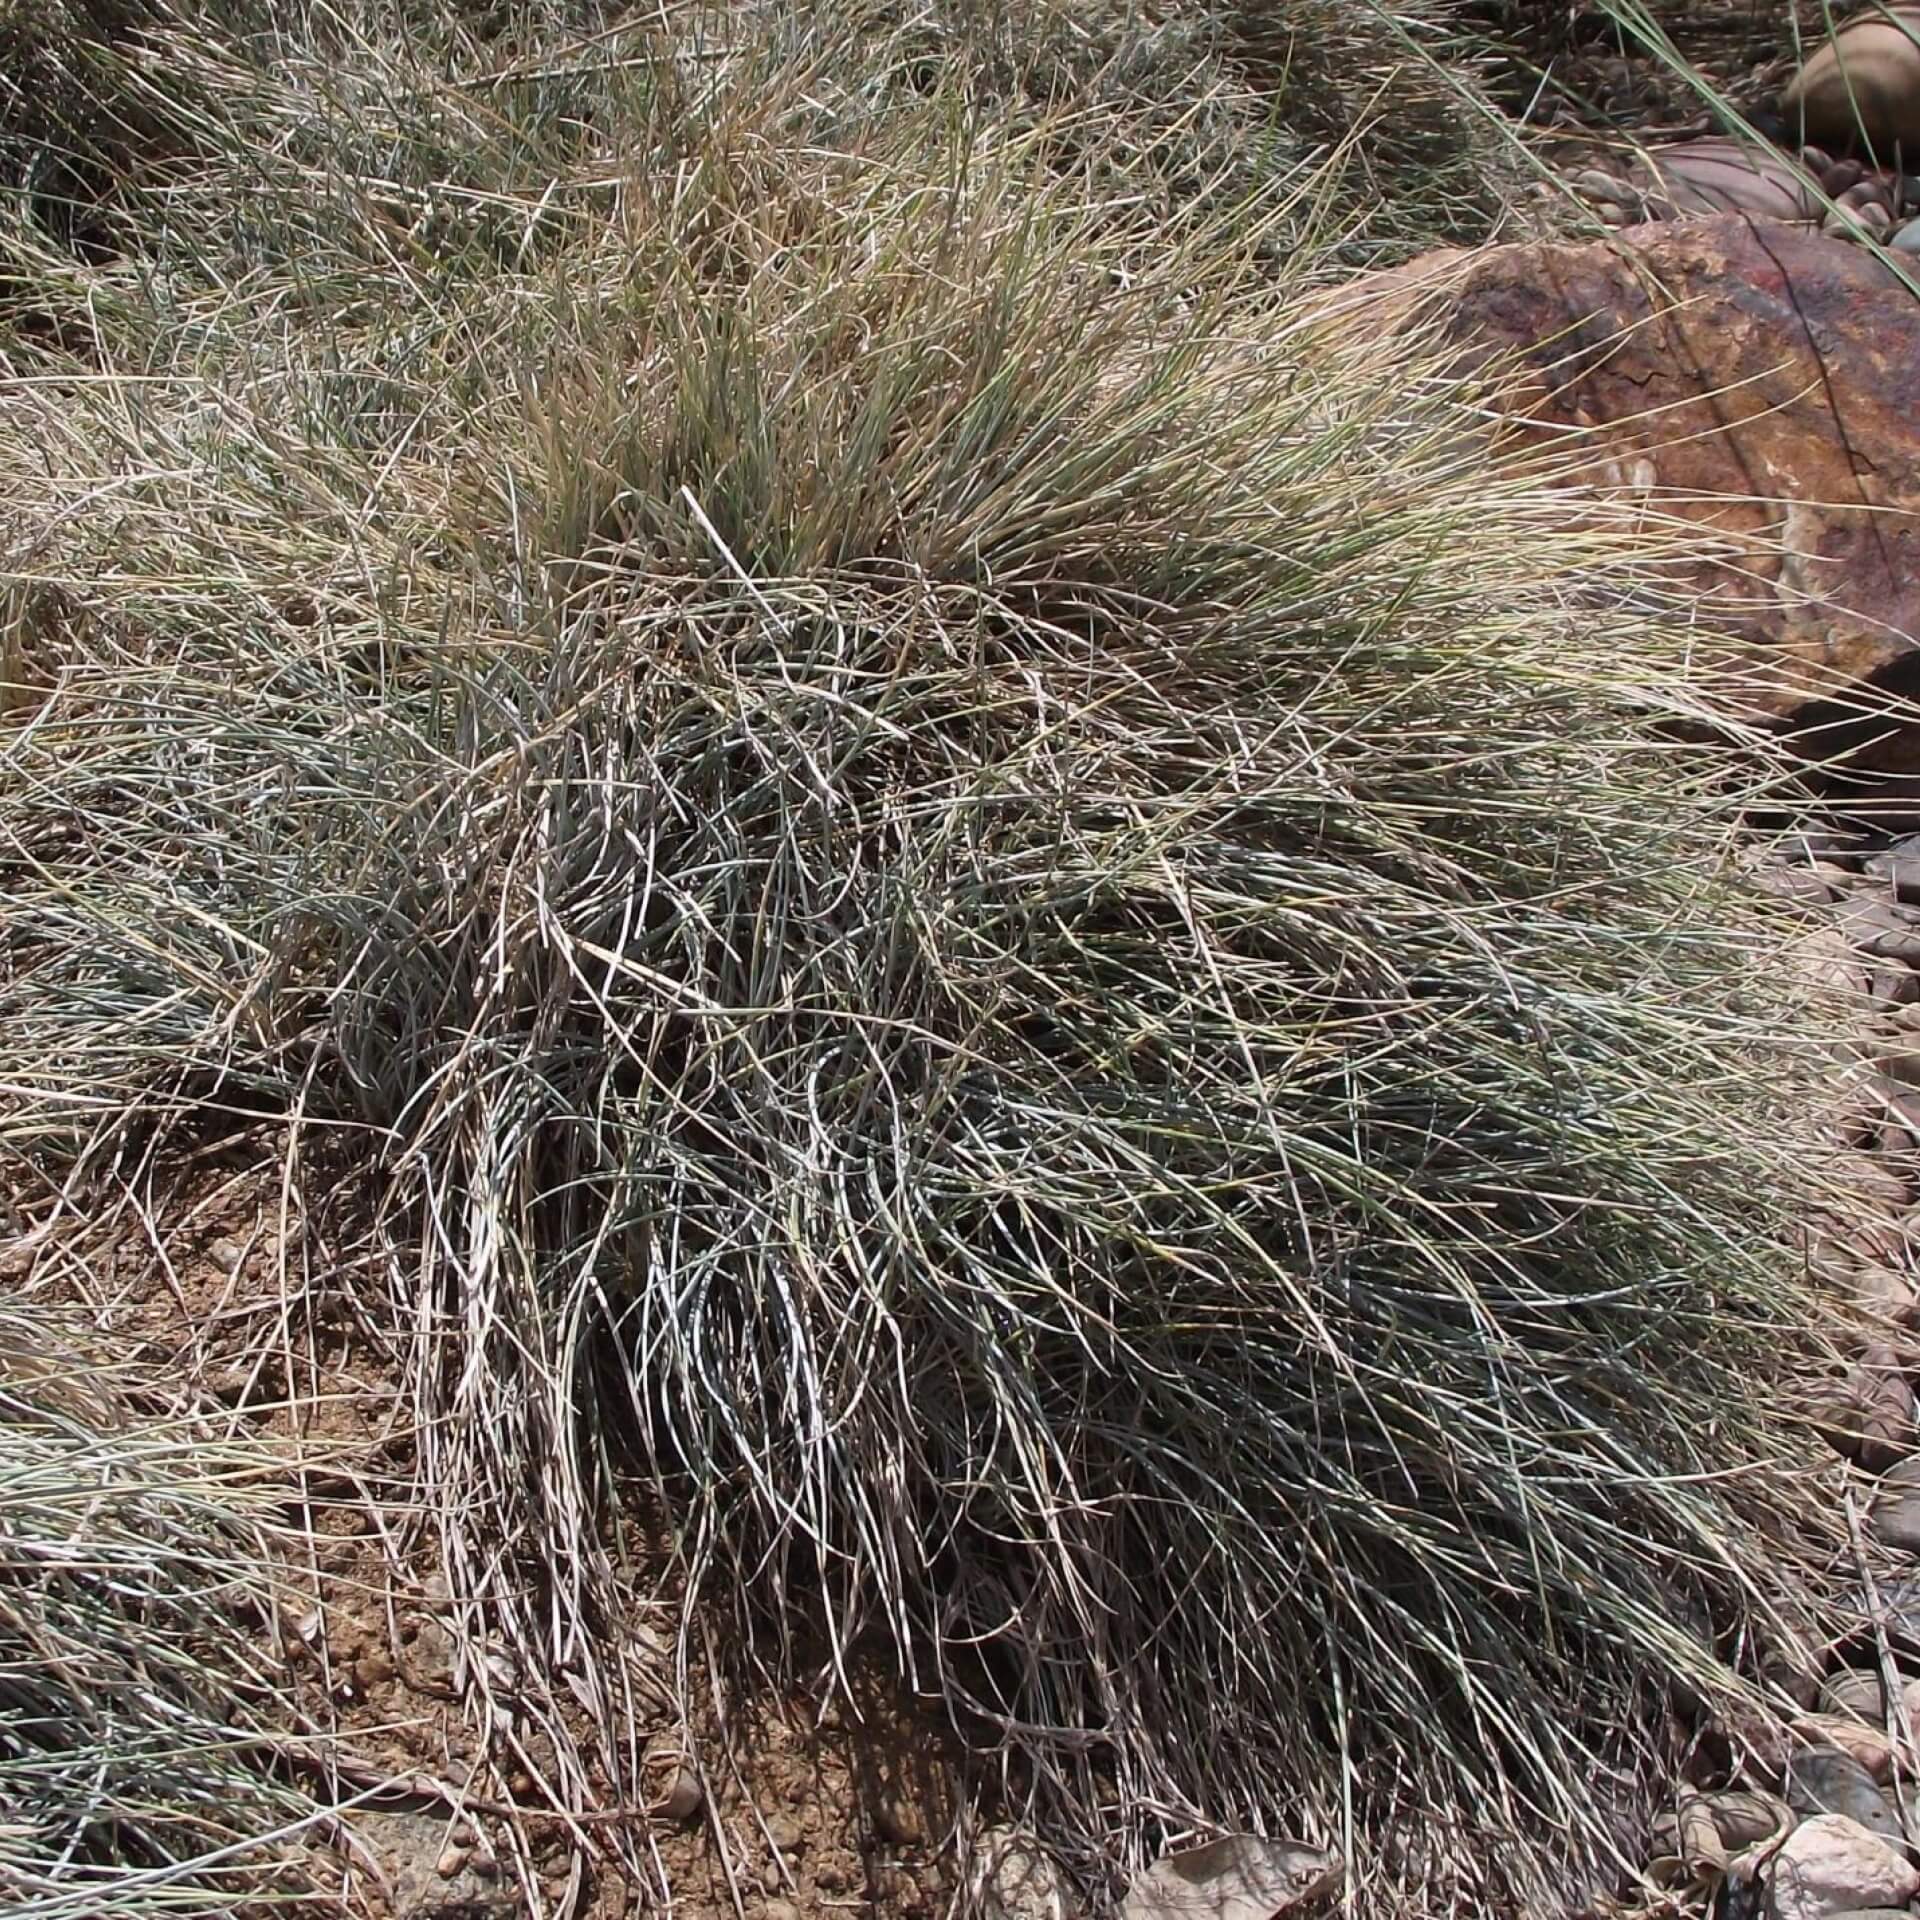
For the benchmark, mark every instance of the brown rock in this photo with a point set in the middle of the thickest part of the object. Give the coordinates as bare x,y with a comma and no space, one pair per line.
1867,1412
1857,1230
897,1820
1885,1294
1862,88
1895,1513
1871,1746
1754,380
1722,175
1762,1742
678,1793
1856,217
1880,929
1895,986
1854,1693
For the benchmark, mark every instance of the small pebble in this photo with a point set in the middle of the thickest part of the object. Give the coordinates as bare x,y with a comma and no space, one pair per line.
1846,222
451,1863
1896,986
1907,238
1592,184
227,1255
683,1798
897,1821
784,1831
374,1671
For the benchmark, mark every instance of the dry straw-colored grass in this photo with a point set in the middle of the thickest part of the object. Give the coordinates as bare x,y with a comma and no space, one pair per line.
1032,948
137,1735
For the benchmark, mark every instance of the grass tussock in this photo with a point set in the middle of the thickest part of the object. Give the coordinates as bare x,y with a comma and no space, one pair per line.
132,1586
1020,937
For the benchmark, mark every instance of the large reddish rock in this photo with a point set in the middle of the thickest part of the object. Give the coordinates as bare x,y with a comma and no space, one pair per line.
1759,380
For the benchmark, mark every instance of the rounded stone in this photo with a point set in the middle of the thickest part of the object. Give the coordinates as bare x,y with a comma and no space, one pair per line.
681,1797
785,1832
1722,175
1862,87
1854,1692
1896,1521
1015,1878
1825,1780
897,1821
1828,1864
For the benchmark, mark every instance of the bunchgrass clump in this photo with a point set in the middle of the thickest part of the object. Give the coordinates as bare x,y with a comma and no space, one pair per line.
133,1583
1017,935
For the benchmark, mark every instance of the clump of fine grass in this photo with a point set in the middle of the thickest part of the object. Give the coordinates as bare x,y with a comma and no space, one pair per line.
132,1578
1024,940
426,121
